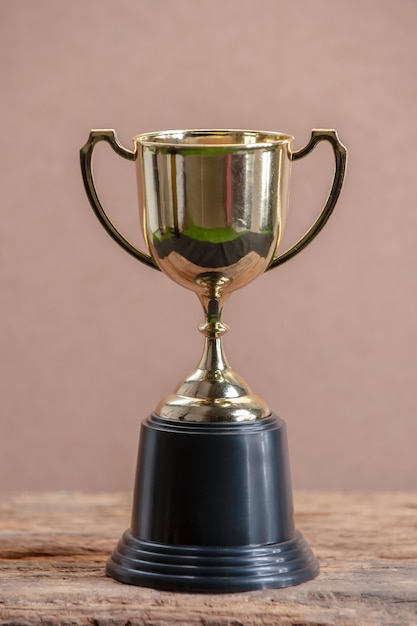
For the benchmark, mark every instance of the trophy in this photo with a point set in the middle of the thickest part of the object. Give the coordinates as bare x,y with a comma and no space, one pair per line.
212,507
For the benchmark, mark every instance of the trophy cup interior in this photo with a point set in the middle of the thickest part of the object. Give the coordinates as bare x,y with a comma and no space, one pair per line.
213,205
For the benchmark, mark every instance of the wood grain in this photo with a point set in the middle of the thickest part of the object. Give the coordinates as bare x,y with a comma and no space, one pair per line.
53,549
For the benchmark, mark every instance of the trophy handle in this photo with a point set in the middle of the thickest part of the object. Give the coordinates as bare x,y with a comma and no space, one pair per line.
86,154
340,154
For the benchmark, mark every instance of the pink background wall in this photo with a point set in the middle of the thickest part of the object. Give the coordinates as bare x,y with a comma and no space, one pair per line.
90,340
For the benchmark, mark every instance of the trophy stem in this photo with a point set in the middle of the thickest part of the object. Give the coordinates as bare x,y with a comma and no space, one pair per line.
213,359
213,392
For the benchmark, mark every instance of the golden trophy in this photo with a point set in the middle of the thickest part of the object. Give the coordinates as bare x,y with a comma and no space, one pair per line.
212,507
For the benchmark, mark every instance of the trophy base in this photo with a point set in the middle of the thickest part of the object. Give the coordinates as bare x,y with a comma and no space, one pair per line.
212,510
212,570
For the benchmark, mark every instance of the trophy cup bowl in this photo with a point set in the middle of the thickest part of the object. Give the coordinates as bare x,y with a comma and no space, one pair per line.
212,507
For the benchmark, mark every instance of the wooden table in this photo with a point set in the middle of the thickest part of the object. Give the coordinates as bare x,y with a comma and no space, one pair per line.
53,548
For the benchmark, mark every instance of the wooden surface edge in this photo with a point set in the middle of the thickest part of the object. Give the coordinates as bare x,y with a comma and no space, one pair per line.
53,549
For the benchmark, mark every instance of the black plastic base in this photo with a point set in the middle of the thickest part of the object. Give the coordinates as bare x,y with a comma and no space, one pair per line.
194,569
212,510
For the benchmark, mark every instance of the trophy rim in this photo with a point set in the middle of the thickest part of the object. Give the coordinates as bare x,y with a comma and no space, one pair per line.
182,139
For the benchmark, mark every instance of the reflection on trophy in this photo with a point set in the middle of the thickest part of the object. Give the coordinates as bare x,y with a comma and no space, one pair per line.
212,509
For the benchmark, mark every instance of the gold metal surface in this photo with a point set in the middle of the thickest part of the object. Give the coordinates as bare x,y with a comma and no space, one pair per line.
86,156
213,204
213,201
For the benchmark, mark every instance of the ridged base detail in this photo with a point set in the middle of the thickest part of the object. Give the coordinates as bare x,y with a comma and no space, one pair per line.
212,569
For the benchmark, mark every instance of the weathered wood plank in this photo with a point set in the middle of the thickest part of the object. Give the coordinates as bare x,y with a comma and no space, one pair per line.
53,548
